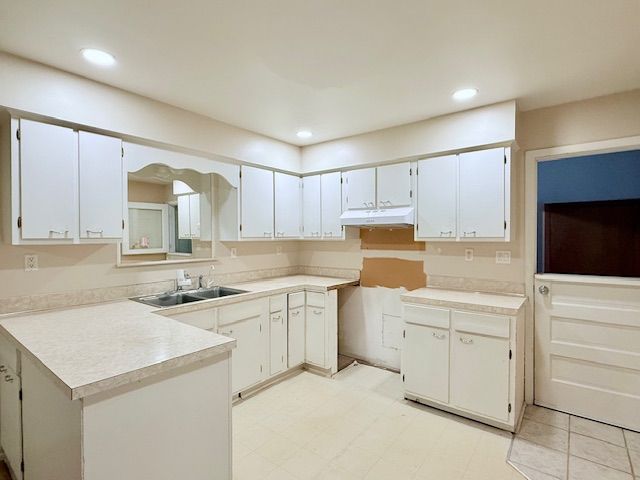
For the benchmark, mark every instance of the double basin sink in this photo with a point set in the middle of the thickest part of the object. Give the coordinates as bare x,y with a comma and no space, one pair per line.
170,299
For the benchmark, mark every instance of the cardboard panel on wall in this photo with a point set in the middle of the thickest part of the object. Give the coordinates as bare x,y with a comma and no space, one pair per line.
386,239
393,273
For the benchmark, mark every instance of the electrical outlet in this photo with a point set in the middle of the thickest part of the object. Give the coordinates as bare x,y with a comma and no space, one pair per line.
234,252
31,263
503,257
468,254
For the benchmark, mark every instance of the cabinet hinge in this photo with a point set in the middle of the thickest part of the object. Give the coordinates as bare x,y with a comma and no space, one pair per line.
341,180
20,394
260,327
510,354
261,372
404,334
410,193
240,227
505,159
123,223
22,465
410,171
509,408
122,151
505,224
19,222
240,173
403,378
18,134
417,226
416,170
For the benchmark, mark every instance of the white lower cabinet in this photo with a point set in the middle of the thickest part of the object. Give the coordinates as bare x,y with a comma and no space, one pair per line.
11,419
465,362
278,336
315,330
247,322
296,329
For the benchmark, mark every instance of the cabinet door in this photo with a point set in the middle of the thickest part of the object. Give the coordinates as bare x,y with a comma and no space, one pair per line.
425,362
437,183
394,185
278,342
247,367
480,368
296,336
184,216
315,336
256,197
48,181
360,187
287,209
482,195
331,192
194,215
311,209
11,420
100,177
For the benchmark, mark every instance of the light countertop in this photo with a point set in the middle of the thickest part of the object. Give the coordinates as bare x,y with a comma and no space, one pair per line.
475,301
90,349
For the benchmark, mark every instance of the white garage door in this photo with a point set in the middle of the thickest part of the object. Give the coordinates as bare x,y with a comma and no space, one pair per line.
587,359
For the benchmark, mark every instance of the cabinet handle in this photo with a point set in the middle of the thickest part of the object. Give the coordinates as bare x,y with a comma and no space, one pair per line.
446,234
439,336
295,313
469,234
58,232
328,234
317,312
275,319
466,341
3,369
543,289
8,378
97,232
266,234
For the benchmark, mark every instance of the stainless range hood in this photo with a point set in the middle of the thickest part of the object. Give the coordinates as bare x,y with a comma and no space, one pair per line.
398,217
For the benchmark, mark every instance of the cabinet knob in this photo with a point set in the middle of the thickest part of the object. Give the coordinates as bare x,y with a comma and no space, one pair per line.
543,289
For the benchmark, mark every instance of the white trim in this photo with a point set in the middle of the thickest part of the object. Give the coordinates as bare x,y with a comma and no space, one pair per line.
532,157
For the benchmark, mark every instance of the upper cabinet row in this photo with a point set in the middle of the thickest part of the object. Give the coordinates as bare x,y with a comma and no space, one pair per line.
66,185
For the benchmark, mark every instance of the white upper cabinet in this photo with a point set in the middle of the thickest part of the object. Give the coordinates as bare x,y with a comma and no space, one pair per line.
437,182
394,185
331,201
48,181
482,194
360,189
256,200
100,177
311,207
189,216
287,206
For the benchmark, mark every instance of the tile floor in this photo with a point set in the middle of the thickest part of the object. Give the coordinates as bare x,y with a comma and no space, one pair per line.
358,426
553,445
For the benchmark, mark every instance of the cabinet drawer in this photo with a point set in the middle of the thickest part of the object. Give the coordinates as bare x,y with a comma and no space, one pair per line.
240,311
296,299
427,316
482,324
277,303
315,299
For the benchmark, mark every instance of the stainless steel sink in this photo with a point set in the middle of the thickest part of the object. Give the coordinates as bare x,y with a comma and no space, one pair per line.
179,298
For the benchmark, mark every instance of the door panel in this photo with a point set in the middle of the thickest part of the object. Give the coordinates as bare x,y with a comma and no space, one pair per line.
425,362
287,209
587,350
278,342
100,177
256,192
11,419
296,335
48,181
482,195
394,185
331,193
247,358
361,189
437,182
315,336
311,207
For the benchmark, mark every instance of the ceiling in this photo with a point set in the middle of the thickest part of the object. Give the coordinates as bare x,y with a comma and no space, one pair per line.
336,67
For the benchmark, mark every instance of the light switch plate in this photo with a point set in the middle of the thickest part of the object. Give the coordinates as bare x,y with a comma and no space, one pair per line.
31,263
503,257
468,254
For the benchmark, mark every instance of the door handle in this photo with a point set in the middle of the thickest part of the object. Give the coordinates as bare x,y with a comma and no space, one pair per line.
543,289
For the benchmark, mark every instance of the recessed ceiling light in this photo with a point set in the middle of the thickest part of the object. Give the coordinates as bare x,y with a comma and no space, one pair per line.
98,57
304,134
465,94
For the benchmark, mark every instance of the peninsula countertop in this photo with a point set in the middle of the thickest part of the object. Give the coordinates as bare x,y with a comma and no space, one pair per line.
94,348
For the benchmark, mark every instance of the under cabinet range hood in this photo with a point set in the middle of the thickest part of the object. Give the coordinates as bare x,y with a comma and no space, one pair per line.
398,217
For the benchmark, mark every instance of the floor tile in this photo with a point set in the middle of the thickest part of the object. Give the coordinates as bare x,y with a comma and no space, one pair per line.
600,452
278,449
280,474
580,469
384,470
544,435
435,468
547,416
355,461
334,473
633,440
253,467
597,430
305,465
533,474
545,460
